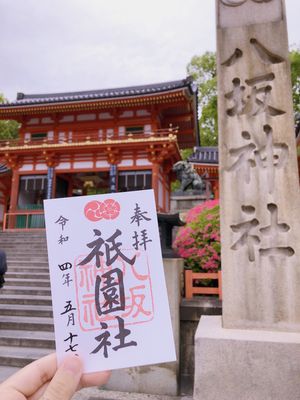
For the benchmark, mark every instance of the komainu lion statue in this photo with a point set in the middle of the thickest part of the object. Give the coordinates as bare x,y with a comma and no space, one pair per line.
188,177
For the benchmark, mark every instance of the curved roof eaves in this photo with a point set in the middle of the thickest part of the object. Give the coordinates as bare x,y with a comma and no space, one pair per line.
28,99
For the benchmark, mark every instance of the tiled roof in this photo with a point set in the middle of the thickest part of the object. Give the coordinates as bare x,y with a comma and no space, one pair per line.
31,99
205,155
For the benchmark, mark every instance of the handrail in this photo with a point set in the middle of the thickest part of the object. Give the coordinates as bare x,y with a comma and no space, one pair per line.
190,289
88,136
24,220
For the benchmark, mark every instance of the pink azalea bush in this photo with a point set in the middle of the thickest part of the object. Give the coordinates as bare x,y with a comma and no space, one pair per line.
198,242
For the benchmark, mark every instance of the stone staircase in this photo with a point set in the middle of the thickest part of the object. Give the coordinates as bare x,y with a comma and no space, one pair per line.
26,324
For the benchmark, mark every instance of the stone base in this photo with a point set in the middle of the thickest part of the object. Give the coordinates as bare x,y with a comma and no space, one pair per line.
245,364
184,203
191,311
160,379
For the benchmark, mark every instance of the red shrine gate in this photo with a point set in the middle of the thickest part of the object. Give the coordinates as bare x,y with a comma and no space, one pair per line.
93,142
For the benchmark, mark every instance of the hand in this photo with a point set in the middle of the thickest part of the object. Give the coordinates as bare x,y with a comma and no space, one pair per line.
42,380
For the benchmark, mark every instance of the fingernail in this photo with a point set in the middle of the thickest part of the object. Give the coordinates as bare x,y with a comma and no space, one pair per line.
72,364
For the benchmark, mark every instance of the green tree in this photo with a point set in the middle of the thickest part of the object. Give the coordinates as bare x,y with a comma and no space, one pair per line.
203,69
8,129
295,72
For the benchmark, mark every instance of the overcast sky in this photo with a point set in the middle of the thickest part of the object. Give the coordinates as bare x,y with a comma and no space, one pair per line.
69,45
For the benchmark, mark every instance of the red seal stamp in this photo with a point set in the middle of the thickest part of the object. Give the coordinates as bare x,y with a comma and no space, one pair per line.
110,209
96,210
92,211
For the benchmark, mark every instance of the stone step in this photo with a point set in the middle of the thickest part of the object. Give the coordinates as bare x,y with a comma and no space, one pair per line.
25,255
34,260
37,291
40,339
26,323
9,240
23,246
26,310
6,372
19,252
25,252
27,283
21,356
34,266
25,276
23,233
21,238
31,264
24,239
22,243
25,299
6,236
28,270
30,257
27,260
26,263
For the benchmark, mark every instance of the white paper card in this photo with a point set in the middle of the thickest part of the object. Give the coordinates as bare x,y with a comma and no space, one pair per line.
108,288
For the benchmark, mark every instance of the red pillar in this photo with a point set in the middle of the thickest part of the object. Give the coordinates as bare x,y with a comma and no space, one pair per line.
14,191
215,189
155,173
13,198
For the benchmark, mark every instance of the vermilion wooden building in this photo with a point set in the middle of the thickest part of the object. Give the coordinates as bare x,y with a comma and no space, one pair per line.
91,142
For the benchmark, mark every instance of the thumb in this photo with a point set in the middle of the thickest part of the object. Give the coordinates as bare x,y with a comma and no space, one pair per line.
65,381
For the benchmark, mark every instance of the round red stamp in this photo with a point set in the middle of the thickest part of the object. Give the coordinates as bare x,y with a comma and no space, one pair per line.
92,210
110,209
97,210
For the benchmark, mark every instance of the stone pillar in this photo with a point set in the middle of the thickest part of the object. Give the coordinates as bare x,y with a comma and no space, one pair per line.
258,168
254,353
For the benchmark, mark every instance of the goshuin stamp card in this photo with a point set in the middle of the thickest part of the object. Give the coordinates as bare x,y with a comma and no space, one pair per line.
108,287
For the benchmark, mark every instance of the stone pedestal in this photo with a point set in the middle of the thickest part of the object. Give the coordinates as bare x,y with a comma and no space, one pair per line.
245,364
191,310
184,203
159,379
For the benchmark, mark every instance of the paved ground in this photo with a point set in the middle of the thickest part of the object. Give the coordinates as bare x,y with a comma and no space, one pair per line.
96,394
